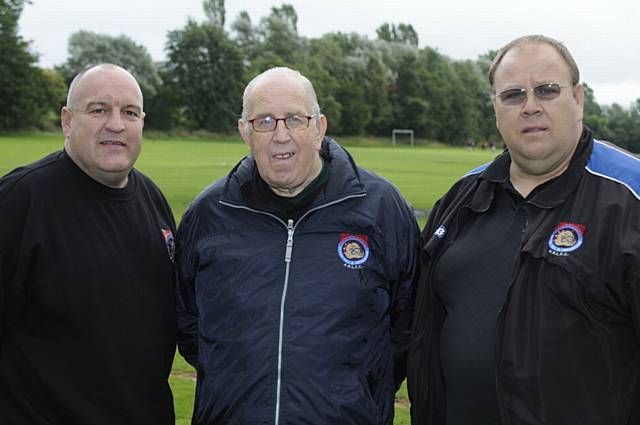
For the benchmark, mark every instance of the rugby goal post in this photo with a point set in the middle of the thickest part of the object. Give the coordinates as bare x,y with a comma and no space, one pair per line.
396,131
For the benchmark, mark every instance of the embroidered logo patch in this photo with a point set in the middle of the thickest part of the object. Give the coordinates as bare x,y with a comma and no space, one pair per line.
169,242
440,231
353,250
567,237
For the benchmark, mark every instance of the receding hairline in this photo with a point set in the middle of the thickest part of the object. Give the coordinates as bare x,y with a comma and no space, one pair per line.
280,72
77,80
526,40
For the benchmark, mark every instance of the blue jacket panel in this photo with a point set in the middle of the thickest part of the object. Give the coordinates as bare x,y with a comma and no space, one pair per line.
298,323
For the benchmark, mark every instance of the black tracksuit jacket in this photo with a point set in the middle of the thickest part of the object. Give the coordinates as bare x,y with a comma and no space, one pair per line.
568,335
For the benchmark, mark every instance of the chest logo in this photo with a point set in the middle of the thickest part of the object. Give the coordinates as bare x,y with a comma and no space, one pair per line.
169,242
353,250
440,231
567,237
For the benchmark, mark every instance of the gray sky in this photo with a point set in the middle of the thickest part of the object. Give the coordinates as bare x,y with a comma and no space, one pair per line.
604,39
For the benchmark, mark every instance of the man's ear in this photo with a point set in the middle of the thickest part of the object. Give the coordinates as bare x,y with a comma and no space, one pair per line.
579,96
65,120
242,129
321,126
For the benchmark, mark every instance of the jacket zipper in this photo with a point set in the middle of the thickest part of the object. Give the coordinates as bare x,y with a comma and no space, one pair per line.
291,228
287,261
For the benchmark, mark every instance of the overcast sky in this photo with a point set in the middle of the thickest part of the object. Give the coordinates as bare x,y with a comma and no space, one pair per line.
605,40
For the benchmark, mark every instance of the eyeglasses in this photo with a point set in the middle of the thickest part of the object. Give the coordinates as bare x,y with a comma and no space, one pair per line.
292,122
544,92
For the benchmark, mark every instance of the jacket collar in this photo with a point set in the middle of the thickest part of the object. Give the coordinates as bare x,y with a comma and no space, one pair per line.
547,195
344,176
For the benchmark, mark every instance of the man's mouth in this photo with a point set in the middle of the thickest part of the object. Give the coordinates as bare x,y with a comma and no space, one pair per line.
286,155
534,129
113,143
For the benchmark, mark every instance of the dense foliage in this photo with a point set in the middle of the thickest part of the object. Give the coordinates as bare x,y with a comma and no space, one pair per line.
28,94
364,86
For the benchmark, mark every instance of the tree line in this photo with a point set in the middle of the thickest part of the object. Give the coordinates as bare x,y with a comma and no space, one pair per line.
365,86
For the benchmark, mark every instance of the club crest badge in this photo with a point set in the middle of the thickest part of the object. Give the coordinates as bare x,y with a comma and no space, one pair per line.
567,237
169,242
353,250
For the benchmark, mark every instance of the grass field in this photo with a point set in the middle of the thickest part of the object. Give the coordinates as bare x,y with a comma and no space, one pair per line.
183,167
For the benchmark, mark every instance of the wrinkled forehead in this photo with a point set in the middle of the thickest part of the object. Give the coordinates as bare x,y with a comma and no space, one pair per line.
107,85
280,95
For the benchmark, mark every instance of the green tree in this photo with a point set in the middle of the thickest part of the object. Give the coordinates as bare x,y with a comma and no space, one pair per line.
215,12
321,65
27,93
246,36
165,110
593,116
487,120
54,93
634,117
403,33
208,71
411,106
377,87
620,128
87,48
281,42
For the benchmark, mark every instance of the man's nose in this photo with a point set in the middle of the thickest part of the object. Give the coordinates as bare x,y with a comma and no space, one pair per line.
281,132
115,122
532,104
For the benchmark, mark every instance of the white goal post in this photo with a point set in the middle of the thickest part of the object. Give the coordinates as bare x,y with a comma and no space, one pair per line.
401,131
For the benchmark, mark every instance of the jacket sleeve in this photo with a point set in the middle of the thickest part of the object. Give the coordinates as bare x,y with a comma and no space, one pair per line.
402,287
187,310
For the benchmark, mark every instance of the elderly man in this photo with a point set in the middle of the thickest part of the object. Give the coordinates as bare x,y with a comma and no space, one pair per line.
295,275
87,311
528,306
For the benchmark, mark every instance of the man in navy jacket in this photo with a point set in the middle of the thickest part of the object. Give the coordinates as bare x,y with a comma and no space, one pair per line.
295,275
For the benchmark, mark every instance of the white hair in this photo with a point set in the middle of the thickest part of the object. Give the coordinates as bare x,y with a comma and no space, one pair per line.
279,71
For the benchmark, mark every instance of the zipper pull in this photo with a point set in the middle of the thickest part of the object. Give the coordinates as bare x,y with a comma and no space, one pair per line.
287,255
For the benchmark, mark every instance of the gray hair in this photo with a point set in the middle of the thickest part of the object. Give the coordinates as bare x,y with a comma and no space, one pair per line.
76,80
280,71
558,46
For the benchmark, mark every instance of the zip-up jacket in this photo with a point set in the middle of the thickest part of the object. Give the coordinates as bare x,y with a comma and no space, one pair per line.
304,322
567,342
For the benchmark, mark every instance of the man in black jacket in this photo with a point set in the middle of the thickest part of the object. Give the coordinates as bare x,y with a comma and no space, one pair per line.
528,304
87,313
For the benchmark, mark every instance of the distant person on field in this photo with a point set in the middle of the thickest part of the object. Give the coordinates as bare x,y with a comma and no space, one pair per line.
87,315
528,306
295,275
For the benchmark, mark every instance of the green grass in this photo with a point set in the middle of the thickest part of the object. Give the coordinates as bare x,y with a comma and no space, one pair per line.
183,167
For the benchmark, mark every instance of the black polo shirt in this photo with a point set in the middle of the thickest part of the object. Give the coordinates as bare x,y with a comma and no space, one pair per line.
471,280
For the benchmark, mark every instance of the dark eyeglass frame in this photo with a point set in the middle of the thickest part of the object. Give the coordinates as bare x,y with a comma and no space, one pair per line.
518,96
275,120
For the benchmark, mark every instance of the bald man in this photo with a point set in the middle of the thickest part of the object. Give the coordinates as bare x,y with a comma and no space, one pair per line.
87,316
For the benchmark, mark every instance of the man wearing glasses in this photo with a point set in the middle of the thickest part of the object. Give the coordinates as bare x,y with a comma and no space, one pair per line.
295,275
528,301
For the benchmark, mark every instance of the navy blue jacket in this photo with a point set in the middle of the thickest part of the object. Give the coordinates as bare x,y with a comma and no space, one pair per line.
297,323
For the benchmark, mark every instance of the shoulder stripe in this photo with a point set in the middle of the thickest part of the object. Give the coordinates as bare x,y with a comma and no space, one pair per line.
478,170
612,163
